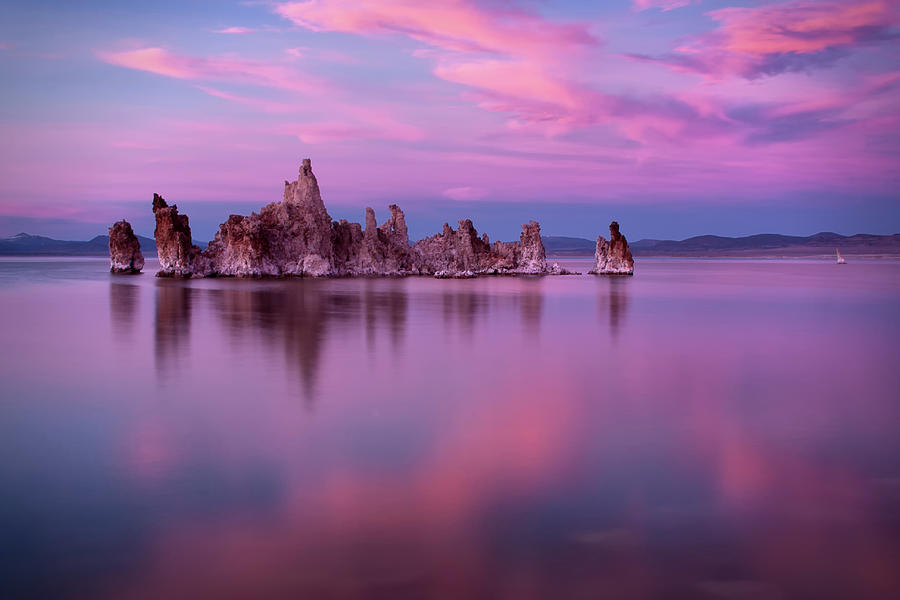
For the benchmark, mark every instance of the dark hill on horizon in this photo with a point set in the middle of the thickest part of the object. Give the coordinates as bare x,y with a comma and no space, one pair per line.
762,245
557,245
24,244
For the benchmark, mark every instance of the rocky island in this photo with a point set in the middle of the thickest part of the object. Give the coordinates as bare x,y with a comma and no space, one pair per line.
124,249
613,257
297,238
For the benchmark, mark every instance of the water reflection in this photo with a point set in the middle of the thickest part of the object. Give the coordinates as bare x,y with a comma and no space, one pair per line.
612,302
295,317
172,325
392,307
465,311
123,308
532,305
462,309
471,439
298,317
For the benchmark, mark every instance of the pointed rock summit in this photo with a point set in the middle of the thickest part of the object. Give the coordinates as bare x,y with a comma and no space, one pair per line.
613,257
178,257
124,249
297,237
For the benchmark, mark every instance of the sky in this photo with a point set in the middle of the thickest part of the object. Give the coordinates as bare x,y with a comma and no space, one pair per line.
675,117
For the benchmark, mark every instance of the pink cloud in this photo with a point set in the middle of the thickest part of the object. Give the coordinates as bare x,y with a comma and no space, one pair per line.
346,120
235,30
516,79
267,106
536,82
533,73
456,25
325,132
661,4
540,102
323,54
525,79
788,36
803,27
509,111
224,68
465,193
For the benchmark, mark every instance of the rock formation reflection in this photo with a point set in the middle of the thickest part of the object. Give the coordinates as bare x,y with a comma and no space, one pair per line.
461,310
467,310
532,305
172,326
612,303
123,308
294,317
389,306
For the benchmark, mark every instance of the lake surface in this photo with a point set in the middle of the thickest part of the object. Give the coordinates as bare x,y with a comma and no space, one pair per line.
706,429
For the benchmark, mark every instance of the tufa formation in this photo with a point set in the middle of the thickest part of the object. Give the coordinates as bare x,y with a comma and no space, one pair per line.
124,249
613,257
296,237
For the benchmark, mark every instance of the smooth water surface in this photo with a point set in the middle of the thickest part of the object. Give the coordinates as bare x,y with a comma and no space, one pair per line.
705,429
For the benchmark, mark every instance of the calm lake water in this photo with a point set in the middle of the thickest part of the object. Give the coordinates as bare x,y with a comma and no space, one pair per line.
705,429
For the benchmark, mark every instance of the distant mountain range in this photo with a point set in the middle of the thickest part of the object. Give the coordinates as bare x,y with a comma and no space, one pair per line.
556,245
764,244
37,245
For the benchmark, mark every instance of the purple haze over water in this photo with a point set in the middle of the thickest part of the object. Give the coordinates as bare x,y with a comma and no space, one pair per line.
705,429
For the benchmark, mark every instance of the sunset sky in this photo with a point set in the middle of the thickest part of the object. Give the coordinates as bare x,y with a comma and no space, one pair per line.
676,117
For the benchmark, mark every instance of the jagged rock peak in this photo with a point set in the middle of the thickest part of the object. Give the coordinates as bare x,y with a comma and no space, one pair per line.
124,249
395,227
371,223
614,231
305,191
613,257
178,257
532,255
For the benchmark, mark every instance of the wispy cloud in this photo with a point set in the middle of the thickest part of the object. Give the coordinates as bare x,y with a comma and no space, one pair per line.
662,4
223,68
470,99
510,59
322,132
235,30
347,119
465,193
456,25
528,67
781,37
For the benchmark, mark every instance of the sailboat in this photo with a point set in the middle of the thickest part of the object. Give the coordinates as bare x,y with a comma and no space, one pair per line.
840,259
